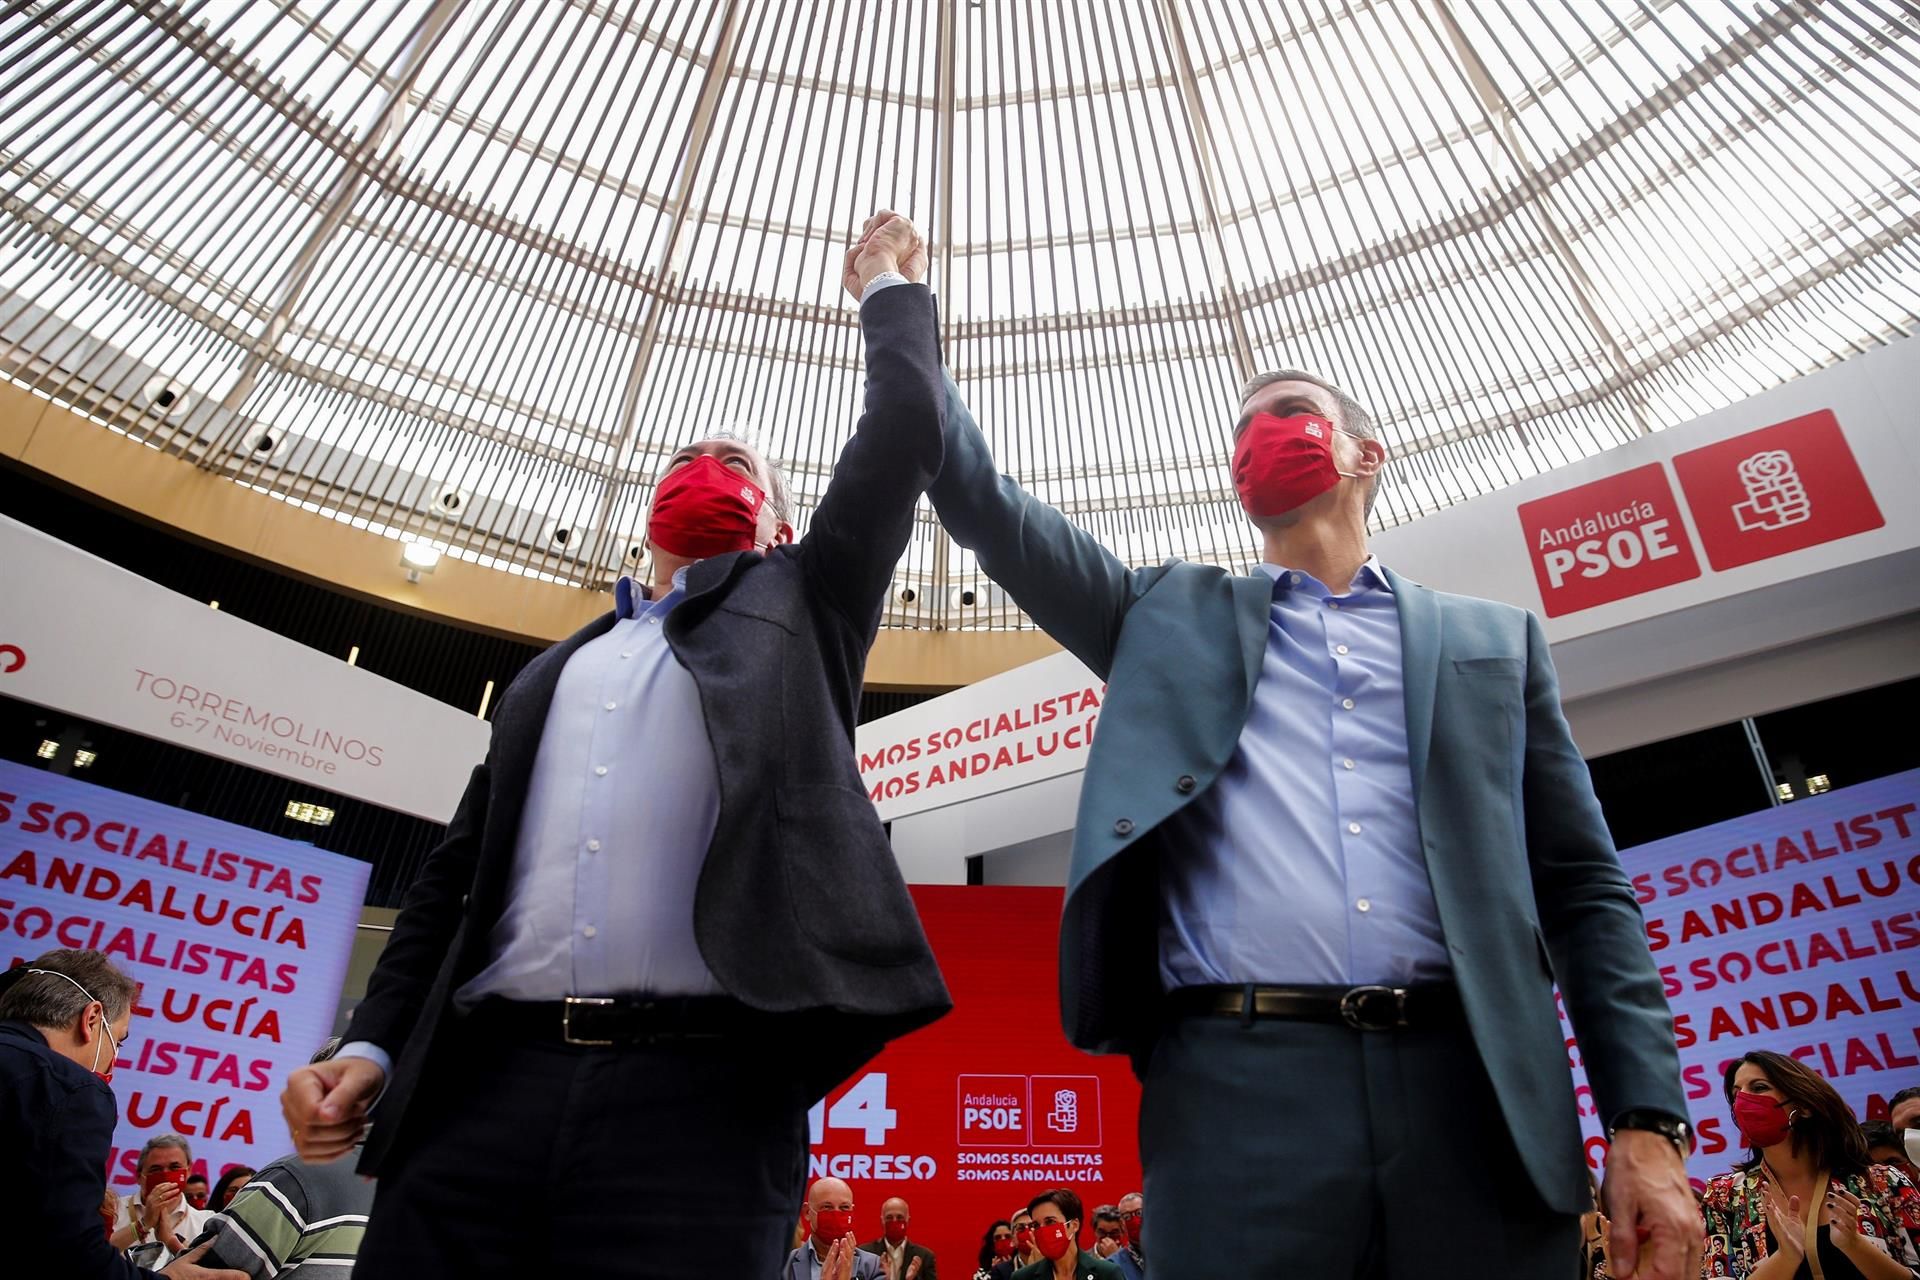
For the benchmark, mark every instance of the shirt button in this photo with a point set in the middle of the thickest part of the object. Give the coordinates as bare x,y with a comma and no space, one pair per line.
1339,648
1333,604
1363,905
610,706
599,771
1346,764
593,846
1354,827
1347,703
588,931
1124,827
1294,578
1185,784
627,654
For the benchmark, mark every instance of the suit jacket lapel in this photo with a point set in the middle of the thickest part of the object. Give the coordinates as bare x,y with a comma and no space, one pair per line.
1252,607
1420,665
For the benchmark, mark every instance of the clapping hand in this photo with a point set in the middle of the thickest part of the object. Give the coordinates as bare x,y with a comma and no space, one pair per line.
1842,1215
839,1263
1783,1215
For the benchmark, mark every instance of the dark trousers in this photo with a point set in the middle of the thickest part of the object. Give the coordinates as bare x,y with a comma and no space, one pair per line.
672,1160
1302,1150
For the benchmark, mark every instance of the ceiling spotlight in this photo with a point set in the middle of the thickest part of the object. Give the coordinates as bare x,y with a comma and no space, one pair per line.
1819,784
449,502
964,597
418,558
81,759
48,749
906,593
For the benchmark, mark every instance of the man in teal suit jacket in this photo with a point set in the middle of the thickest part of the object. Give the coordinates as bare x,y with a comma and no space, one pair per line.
1415,1115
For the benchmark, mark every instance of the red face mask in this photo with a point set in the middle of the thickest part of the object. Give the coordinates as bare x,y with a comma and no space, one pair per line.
831,1224
895,1232
1131,1221
1283,463
1003,1247
1054,1239
705,508
1023,1238
1761,1120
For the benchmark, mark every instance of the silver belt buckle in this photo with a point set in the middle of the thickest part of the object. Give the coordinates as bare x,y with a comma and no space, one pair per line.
1355,1015
568,1005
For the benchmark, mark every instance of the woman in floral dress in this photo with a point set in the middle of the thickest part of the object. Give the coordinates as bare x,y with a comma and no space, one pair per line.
1805,1202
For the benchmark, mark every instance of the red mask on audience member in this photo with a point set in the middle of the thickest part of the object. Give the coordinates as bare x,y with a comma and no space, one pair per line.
1003,1247
1761,1120
895,1232
1023,1238
831,1224
705,508
1133,1224
1283,463
1054,1239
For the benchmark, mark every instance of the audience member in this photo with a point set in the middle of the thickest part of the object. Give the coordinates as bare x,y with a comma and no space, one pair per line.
829,1253
197,1191
996,1248
63,1018
155,1221
1133,1216
228,1187
1026,1249
1110,1240
902,1259
1806,1198
1057,1218
1903,1109
1885,1147
294,1217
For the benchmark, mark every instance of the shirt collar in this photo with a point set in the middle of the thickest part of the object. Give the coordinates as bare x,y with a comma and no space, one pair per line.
1370,573
631,599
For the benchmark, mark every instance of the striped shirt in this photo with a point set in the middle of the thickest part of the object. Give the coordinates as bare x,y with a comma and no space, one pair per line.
293,1217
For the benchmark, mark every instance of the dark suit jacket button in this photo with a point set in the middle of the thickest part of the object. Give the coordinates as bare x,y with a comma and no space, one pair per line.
1185,784
1124,827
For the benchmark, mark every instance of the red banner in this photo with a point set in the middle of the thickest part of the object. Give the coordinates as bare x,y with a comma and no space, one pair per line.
975,1115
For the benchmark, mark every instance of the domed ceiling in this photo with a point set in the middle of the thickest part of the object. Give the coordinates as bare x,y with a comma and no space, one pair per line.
465,271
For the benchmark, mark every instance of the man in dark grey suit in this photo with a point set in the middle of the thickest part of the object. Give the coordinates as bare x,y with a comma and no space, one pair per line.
1335,845
665,918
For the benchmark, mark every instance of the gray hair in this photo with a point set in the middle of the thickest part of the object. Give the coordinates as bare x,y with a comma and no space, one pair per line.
159,1140
67,983
1355,418
777,495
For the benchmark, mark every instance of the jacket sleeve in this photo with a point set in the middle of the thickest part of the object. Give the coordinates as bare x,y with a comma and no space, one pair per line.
1073,587
72,1180
429,918
861,527
1594,930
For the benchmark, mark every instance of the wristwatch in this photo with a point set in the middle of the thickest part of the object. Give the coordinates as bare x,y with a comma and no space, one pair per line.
1673,1129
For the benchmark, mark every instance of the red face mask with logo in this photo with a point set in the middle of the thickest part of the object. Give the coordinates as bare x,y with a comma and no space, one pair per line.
1133,1224
1023,1238
1054,1239
1003,1246
1283,463
831,1224
895,1232
1760,1119
705,508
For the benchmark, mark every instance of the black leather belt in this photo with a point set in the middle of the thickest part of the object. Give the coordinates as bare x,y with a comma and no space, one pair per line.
597,1021
1370,1008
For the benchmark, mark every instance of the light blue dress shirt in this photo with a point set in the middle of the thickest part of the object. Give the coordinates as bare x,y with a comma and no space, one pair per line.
621,806
1302,863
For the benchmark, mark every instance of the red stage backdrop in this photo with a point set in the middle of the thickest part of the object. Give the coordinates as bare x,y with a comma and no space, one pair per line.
974,1115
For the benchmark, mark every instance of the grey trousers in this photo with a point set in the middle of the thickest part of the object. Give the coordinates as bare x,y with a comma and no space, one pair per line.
1284,1150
